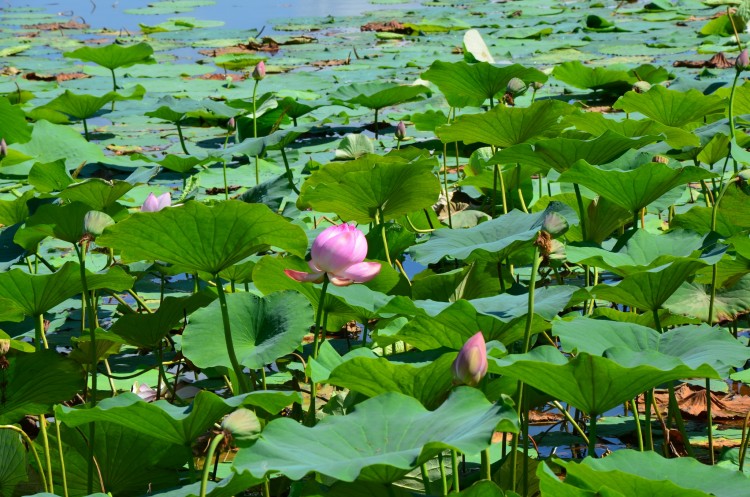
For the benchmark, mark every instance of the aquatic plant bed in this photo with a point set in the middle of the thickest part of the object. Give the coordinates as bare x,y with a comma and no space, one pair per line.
482,249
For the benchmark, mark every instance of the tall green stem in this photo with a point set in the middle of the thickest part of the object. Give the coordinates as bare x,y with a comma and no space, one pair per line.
592,435
379,219
33,451
207,462
289,174
443,478
243,386
581,212
486,466
316,341
731,111
454,468
709,421
445,184
637,419
255,131
47,456
182,138
62,459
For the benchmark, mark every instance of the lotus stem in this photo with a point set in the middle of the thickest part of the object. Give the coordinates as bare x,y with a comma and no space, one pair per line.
289,174
224,172
255,131
318,319
425,478
647,408
242,382
675,409
743,442
445,184
709,421
581,212
592,435
637,419
62,459
486,466
376,124
33,451
163,375
85,130
502,188
182,138
40,338
520,192
47,455
443,478
714,269
570,420
454,467
207,462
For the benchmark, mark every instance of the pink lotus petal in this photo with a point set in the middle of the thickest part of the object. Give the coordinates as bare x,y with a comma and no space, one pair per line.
339,281
304,277
471,364
359,273
164,200
339,252
155,204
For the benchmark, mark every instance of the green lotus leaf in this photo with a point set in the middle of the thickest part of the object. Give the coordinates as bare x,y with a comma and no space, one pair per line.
50,177
649,289
382,440
146,330
319,369
592,383
593,78
639,250
724,25
377,95
14,475
459,322
636,187
648,473
50,142
672,107
64,222
263,329
97,193
15,211
562,153
202,238
428,383
596,124
692,299
86,106
491,241
166,422
470,85
15,127
693,345
174,109
36,294
508,126
386,189
175,163
114,55
353,146
255,146
33,382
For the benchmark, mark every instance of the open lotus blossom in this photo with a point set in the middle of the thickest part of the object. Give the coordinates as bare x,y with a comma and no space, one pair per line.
340,252
155,204
471,364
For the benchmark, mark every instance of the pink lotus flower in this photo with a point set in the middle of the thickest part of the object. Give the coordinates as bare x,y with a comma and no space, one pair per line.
471,364
260,71
338,251
155,204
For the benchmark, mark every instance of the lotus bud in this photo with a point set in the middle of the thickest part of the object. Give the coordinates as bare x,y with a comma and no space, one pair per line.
94,223
516,86
641,86
260,71
471,364
537,85
243,425
231,124
742,62
155,204
400,131
3,148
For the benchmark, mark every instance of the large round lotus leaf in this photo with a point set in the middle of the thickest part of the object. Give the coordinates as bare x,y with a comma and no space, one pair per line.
378,94
693,345
638,250
36,294
15,127
561,153
507,126
114,55
593,78
470,85
635,188
382,440
671,107
596,384
389,187
198,237
645,472
170,423
32,383
492,241
692,299
263,329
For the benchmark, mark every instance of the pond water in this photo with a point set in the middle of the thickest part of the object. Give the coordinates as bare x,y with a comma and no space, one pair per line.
252,14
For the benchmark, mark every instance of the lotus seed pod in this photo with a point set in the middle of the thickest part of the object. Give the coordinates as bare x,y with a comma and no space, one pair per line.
4,346
641,86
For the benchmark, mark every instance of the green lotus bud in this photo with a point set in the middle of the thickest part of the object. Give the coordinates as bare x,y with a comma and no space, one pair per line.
641,86
94,223
516,87
243,425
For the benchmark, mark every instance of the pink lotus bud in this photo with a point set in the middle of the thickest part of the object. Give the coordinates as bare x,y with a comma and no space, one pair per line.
471,364
400,131
260,71
231,124
155,204
742,62
3,148
340,252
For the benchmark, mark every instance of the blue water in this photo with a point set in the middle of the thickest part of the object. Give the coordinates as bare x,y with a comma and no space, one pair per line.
252,14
